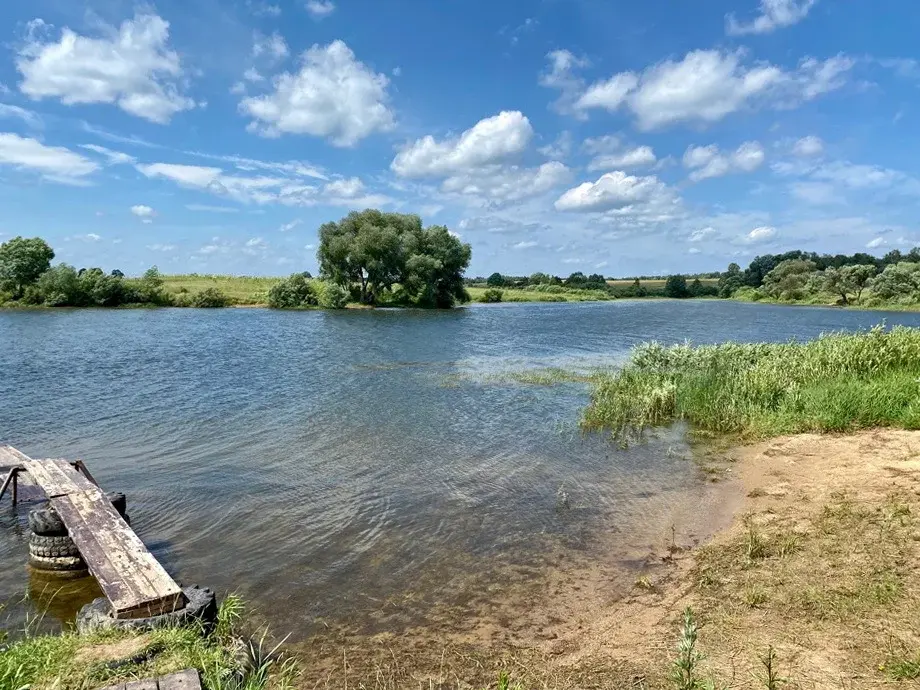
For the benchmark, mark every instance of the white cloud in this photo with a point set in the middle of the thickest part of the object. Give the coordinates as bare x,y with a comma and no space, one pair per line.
609,94
605,144
774,14
93,237
290,226
113,157
808,147
639,157
319,9
143,211
876,243
161,247
817,193
490,140
757,235
333,96
560,148
694,250
560,76
14,111
252,75
131,67
272,47
288,187
707,85
702,234
54,163
256,242
526,244
505,184
708,161
614,190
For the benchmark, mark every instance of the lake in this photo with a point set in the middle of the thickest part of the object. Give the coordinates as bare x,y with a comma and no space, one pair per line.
371,470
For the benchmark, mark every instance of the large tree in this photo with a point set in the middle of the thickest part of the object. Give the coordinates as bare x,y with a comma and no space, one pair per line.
22,261
371,251
849,280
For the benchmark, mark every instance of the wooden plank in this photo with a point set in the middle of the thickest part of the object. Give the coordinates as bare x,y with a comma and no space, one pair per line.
183,680
149,684
131,578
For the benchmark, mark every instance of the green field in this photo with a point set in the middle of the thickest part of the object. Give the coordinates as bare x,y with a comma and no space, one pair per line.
242,290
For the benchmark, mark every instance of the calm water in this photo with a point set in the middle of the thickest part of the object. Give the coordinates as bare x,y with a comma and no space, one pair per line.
336,466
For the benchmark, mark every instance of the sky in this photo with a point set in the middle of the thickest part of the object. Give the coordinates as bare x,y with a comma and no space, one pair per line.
622,138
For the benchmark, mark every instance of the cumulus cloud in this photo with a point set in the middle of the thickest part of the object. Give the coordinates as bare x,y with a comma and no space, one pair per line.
131,67
808,147
708,161
759,235
612,191
490,140
638,157
702,234
508,183
334,96
560,75
705,86
272,47
319,9
54,163
774,14
876,243
142,211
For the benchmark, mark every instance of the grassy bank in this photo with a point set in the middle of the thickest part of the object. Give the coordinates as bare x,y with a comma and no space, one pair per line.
241,290
838,382
229,658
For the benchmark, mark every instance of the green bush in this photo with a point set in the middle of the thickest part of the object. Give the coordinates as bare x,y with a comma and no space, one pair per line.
210,298
492,295
329,295
293,293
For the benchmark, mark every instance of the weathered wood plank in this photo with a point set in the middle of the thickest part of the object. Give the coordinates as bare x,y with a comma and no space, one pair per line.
131,578
183,680
148,684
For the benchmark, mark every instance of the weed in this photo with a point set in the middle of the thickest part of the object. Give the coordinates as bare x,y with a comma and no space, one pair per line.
769,677
755,544
685,668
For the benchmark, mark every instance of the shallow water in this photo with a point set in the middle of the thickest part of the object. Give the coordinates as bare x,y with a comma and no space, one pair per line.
361,467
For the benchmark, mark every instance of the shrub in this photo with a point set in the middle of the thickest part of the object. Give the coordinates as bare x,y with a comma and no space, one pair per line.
495,280
676,287
329,295
210,298
492,295
292,293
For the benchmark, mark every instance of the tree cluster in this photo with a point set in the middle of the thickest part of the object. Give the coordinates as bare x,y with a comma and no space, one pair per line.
302,291
26,275
390,258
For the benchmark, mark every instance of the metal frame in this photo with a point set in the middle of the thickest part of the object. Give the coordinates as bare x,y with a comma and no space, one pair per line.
12,480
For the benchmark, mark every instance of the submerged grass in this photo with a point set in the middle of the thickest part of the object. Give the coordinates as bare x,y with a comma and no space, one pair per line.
838,382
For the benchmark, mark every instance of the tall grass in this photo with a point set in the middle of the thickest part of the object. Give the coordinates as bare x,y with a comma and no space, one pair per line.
838,382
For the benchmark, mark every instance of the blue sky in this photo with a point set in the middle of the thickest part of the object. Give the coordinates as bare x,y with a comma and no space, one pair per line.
552,135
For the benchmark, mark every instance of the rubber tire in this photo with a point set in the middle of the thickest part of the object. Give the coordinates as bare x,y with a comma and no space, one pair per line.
201,609
53,565
44,546
46,523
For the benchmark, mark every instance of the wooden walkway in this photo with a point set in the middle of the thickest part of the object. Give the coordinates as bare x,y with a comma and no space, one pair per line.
130,577
184,680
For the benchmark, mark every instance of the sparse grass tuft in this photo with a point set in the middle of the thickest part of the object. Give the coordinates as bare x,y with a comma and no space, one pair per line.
838,382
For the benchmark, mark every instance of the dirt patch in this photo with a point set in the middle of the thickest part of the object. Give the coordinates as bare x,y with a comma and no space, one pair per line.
819,563
111,651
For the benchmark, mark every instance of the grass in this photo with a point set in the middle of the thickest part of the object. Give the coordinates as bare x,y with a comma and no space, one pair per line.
838,382
562,295
242,290
71,661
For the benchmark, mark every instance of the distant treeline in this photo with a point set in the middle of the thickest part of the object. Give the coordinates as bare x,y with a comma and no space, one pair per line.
677,286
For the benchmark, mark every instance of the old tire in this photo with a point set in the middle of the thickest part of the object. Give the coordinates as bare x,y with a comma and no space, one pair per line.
46,522
52,547
200,610
67,564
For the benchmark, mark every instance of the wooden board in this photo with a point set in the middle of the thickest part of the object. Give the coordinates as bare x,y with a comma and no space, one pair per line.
130,577
183,680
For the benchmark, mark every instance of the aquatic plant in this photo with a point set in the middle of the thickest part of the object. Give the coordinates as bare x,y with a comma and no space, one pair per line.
838,382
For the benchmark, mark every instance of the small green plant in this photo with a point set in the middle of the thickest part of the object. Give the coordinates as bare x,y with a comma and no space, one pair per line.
904,669
755,597
755,544
685,668
504,682
769,676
